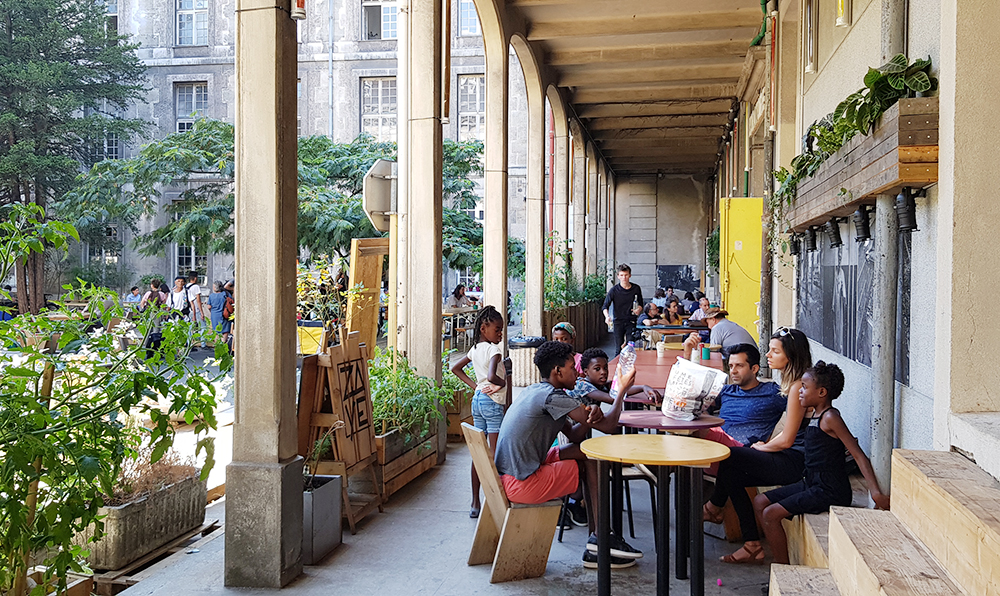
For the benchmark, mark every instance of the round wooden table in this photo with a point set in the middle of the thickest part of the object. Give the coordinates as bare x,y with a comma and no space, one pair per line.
663,452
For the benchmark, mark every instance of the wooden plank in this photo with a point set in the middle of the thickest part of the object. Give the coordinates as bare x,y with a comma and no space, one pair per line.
808,539
918,153
401,480
525,541
872,553
918,105
308,388
791,580
367,256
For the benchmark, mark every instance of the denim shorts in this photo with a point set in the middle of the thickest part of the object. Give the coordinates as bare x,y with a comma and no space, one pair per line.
486,413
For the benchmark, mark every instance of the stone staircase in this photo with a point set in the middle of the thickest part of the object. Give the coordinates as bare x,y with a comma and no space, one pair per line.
942,537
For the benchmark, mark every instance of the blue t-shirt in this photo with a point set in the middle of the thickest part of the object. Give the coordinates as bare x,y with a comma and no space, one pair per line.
751,414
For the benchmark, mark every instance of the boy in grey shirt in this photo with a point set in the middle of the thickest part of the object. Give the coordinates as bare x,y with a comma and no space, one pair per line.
531,469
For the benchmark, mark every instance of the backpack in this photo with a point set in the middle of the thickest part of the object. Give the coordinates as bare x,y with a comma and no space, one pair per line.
228,307
187,302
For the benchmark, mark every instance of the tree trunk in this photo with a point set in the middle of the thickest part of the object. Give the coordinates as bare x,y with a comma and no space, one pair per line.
21,275
36,260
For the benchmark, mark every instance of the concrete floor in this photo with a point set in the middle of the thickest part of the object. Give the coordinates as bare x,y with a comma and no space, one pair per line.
420,545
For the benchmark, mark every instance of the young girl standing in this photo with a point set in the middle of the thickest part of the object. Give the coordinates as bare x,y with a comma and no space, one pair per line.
490,401
825,482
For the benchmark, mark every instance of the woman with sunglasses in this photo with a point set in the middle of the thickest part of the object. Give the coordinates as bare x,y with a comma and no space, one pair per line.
779,461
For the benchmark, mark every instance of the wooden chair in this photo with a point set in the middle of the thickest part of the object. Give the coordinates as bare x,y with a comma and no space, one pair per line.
515,538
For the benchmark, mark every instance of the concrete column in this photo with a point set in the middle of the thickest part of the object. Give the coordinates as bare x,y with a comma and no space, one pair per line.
425,203
560,198
534,275
602,213
579,198
495,231
965,207
612,227
592,210
264,480
886,235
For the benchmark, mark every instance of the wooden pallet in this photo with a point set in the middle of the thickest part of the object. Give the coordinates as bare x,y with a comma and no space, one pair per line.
110,583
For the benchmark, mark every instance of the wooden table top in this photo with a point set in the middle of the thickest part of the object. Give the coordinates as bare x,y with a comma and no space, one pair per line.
653,370
655,450
657,420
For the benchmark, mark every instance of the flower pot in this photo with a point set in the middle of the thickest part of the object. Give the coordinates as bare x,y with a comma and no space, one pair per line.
322,509
135,529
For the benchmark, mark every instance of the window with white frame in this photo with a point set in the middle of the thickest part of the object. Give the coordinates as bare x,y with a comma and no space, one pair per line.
112,146
468,20
468,278
192,101
111,8
108,249
192,22
379,19
187,259
471,107
378,108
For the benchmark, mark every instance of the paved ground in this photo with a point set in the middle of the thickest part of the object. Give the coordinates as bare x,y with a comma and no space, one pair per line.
420,544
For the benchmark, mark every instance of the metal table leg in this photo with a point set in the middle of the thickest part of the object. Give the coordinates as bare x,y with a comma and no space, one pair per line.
603,528
697,536
682,500
663,531
617,492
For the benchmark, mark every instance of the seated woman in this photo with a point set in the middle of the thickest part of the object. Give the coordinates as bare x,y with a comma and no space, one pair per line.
672,315
458,299
565,333
660,298
650,316
779,461
688,304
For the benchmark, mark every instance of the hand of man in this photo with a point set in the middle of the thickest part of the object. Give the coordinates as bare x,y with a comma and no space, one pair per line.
607,319
637,310
596,414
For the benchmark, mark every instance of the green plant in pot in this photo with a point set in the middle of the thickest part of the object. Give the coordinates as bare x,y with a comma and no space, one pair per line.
403,400
63,433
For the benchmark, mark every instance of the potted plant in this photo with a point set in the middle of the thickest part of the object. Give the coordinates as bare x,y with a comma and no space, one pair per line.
322,513
169,490
406,408
63,436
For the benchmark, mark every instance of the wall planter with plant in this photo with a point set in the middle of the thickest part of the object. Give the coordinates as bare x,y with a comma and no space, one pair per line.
63,433
878,140
151,504
406,409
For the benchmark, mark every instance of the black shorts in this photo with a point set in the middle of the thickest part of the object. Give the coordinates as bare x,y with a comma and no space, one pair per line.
802,498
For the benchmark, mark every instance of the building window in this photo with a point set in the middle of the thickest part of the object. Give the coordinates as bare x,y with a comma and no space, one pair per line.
378,108
111,7
192,22
188,260
471,107
106,250
379,18
468,278
468,20
112,146
192,101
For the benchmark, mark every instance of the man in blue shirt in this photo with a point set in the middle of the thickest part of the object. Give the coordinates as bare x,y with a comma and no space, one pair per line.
750,408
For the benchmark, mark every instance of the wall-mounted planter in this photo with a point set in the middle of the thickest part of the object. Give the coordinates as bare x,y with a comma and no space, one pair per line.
901,152
135,529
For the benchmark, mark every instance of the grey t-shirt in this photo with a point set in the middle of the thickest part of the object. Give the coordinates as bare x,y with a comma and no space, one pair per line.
727,333
530,428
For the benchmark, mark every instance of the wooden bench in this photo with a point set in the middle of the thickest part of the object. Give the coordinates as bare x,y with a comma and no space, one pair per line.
515,538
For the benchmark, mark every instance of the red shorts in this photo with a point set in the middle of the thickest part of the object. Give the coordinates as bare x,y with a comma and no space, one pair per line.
554,479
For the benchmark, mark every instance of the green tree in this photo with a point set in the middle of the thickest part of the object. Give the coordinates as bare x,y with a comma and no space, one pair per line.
65,81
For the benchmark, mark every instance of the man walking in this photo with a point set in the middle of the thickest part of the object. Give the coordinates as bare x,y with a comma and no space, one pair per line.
196,316
625,298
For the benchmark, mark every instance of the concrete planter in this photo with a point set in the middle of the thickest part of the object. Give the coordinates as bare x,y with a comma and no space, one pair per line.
322,509
135,529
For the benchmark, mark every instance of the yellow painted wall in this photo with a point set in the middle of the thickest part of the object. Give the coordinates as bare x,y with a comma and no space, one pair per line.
739,259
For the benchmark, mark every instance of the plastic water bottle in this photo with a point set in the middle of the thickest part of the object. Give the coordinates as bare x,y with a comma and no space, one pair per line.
627,358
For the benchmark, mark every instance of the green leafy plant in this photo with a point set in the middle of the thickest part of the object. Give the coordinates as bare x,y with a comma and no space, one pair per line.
63,431
712,249
402,399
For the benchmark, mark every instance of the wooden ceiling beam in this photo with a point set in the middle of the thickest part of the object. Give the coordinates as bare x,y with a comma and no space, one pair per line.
698,144
655,108
579,76
632,24
729,48
646,93
672,132
719,119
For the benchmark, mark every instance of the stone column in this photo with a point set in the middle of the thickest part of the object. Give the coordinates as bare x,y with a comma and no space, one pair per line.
534,246
886,236
602,212
425,203
592,210
966,207
579,198
560,170
495,225
264,480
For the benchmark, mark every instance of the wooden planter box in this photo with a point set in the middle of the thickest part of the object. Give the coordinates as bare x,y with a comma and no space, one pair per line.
322,518
135,529
458,412
76,584
901,152
585,317
401,458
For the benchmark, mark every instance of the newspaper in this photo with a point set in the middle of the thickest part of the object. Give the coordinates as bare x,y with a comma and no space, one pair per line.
689,387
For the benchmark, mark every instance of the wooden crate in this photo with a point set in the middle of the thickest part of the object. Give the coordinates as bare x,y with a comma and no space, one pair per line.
901,152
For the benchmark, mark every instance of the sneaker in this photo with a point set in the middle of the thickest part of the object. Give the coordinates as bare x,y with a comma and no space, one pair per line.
590,561
577,514
619,548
